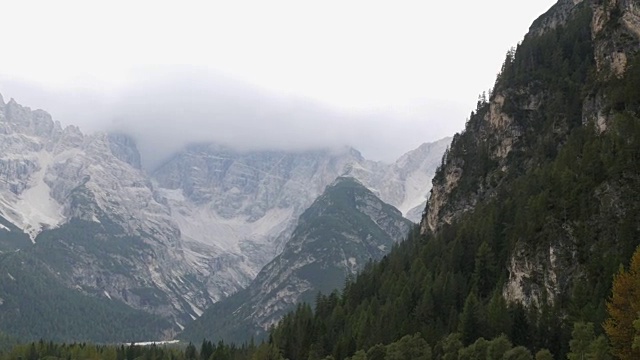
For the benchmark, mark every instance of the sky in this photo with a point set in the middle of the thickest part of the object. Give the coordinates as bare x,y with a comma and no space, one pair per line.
381,76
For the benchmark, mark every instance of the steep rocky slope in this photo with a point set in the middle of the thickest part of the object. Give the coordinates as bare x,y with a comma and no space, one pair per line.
245,205
561,112
533,210
344,228
173,243
87,202
36,305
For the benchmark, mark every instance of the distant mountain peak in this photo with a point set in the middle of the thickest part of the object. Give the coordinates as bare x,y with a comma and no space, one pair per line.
344,228
196,230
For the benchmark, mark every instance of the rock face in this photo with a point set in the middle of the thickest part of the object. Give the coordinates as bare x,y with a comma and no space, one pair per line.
196,230
343,229
83,192
406,183
615,30
527,121
245,205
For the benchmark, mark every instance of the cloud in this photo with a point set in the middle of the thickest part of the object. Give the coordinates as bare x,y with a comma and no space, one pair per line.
167,107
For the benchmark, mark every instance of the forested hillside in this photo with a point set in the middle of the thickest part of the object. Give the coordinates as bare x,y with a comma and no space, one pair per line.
35,305
533,211
529,245
342,230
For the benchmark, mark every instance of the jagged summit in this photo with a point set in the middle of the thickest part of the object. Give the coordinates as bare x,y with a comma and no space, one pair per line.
170,243
570,77
533,214
345,227
508,124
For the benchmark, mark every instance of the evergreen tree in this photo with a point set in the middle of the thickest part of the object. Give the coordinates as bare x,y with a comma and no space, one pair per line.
518,353
544,354
580,344
451,345
190,352
498,347
470,323
623,308
267,351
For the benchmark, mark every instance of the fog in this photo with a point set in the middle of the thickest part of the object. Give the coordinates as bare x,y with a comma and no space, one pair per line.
383,77
164,108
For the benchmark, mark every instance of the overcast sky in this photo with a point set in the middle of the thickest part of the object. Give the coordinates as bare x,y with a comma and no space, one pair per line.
383,77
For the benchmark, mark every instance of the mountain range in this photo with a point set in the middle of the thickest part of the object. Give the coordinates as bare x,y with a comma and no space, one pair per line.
173,240
344,229
530,240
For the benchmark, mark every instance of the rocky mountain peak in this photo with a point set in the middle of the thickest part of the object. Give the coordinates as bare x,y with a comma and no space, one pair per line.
507,125
576,69
197,230
124,148
614,24
555,17
345,227
23,120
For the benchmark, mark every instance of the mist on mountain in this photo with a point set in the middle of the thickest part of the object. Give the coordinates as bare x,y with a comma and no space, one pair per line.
166,108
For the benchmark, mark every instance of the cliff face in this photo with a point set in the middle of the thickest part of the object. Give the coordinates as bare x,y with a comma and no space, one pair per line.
346,227
615,32
171,244
570,73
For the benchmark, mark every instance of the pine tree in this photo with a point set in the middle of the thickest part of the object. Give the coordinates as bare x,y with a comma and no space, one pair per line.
498,347
190,353
582,337
544,354
469,323
518,353
485,270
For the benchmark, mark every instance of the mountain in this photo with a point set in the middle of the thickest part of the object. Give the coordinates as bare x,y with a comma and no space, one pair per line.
37,305
245,205
173,242
405,183
344,229
532,212
94,217
560,109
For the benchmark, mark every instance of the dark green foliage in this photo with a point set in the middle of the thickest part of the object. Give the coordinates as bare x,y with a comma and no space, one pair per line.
476,351
518,353
544,354
470,321
326,233
498,347
585,345
567,188
49,350
11,237
7,342
409,348
104,241
266,352
36,305
297,332
402,294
